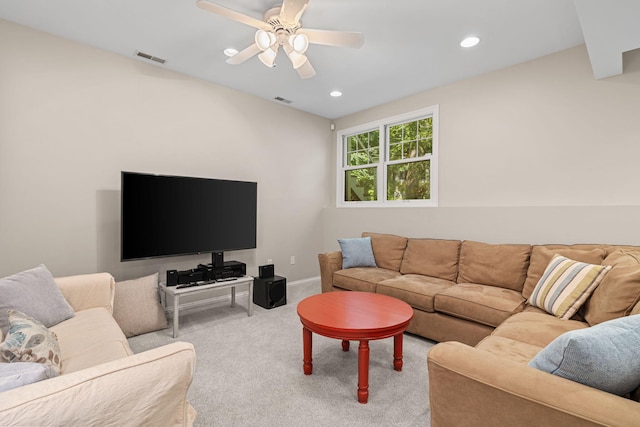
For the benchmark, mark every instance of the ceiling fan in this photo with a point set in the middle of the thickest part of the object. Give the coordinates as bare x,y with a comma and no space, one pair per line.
282,28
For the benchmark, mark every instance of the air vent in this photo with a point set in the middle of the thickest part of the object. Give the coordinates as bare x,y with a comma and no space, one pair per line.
281,99
150,57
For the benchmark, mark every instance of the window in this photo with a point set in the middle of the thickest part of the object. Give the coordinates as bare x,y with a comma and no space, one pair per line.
391,162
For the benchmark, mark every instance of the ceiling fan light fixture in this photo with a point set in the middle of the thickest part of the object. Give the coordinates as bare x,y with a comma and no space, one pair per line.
268,57
297,59
230,52
264,39
299,42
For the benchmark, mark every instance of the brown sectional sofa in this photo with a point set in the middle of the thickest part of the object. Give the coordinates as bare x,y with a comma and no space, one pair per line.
472,298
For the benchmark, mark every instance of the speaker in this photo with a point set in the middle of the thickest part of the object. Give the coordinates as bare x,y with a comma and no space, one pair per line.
218,259
172,277
265,271
270,292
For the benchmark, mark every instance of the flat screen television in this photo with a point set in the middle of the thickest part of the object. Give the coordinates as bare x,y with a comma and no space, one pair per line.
165,216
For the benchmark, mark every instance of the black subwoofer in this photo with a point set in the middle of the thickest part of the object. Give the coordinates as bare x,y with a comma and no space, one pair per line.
270,292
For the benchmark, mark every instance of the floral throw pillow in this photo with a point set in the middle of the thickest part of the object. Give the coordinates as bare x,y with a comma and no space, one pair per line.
30,341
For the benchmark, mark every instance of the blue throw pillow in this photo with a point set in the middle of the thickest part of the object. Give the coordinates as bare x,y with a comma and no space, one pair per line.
604,356
357,252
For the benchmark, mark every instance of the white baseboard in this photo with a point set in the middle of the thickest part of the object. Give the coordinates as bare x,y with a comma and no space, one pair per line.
240,296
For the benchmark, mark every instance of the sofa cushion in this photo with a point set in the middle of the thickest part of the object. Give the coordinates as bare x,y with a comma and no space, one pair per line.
34,293
362,279
619,291
357,252
30,341
432,257
604,356
136,306
536,327
565,285
90,338
388,249
541,255
489,305
504,266
416,290
17,374
508,348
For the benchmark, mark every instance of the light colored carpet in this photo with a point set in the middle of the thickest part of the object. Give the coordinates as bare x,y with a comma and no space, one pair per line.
249,370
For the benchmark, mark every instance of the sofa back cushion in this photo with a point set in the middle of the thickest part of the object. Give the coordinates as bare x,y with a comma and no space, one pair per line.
503,265
388,249
432,257
619,292
541,256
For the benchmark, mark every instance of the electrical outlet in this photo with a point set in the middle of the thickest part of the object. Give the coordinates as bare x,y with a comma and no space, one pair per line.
269,261
293,259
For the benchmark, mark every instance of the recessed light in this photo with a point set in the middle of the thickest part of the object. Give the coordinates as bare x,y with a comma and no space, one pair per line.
335,93
470,41
230,51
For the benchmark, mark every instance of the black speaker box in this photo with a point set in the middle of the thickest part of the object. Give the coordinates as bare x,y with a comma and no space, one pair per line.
172,277
270,292
218,259
266,271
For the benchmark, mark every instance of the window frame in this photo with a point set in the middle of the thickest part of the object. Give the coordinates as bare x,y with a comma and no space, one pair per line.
381,167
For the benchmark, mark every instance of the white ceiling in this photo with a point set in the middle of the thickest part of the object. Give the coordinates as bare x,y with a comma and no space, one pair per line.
410,45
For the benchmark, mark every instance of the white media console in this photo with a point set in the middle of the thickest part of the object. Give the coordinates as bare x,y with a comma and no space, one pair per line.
177,291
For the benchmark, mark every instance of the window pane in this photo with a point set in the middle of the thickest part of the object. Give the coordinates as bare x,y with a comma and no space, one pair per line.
395,133
375,154
425,128
352,143
425,146
360,185
409,181
374,138
358,158
409,150
395,152
410,131
363,141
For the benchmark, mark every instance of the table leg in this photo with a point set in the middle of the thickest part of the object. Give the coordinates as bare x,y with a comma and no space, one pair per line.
176,314
233,296
249,299
397,352
307,345
363,371
345,345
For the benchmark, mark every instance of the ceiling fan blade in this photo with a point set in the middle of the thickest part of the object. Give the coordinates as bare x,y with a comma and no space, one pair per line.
244,54
292,10
306,71
232,14
333,38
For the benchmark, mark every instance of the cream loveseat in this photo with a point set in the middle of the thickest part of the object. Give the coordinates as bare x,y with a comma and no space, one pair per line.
102,382
474,298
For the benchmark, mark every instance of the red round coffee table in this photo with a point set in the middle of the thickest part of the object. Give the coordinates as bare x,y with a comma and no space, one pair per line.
350,315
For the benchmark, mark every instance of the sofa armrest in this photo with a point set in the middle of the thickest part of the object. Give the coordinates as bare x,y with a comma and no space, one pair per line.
471,387
88,290
148,388
329,262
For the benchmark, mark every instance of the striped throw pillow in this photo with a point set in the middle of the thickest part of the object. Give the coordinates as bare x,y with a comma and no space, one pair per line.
565,286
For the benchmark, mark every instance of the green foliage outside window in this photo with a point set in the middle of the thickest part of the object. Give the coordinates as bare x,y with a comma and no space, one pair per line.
410,180
408,172
363,149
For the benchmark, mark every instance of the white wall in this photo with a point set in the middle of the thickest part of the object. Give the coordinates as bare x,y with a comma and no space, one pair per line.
539,152
72,117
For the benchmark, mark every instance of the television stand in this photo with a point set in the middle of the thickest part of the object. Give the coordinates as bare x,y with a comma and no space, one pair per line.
177,291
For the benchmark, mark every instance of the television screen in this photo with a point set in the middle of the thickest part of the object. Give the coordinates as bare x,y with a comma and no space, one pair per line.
172,215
